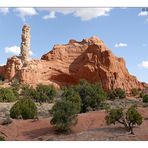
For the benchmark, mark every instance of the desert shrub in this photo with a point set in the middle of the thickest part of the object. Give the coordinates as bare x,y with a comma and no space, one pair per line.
42,93
134,91
112,95
64,115
128,118
74,97
117,93
16,92
145,98
45,93
114,116
29,92
120,93
7,95
92,95
15,83
25,108
141,95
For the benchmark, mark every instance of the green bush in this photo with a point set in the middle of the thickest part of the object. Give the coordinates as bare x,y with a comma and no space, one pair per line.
92,95
29,92
118,93
45,93
15,83
145,98
141,95
72,96
64,115
25,108
7,95
112,95
42,93
114,116
134,91
128,118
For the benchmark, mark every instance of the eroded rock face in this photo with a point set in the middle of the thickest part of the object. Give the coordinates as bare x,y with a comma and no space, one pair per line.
25,44
10,70
66,64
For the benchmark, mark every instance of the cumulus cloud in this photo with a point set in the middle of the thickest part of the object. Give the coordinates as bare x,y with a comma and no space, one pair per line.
24,12
15,50
120,45
51,15
144,64
143,13
4,10
85,14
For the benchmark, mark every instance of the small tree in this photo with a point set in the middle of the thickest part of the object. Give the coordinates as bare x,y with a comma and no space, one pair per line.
7,95
45,93
128,118
15,83
117,93
72,96
42,93
64,115
120,93
141,95
112,95
25,108
29,92
92,95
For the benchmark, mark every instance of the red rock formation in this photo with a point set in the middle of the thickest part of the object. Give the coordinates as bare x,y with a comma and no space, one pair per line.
66,64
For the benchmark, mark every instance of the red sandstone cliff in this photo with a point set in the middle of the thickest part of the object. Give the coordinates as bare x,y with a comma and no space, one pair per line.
66,64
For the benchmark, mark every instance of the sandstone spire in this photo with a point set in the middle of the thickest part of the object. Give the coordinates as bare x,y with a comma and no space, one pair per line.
25,44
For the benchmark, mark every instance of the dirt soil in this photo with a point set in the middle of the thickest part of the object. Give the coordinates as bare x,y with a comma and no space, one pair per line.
91,126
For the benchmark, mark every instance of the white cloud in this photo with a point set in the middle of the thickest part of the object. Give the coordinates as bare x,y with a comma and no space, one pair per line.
84,13
24,12
4,10
15,50
144,64
2,64
120,45
143,13
51,15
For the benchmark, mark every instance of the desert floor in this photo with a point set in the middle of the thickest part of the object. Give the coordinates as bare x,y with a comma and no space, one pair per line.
91,126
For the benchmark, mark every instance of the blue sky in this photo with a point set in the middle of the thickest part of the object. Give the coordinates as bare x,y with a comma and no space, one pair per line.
124,31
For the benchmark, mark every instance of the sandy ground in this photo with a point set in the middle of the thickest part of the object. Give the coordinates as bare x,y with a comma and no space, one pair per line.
90,126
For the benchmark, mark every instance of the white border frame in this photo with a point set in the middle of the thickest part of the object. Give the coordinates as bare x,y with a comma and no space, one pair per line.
73,3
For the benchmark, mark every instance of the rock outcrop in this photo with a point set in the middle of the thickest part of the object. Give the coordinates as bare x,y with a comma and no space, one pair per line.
25,44
66,64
